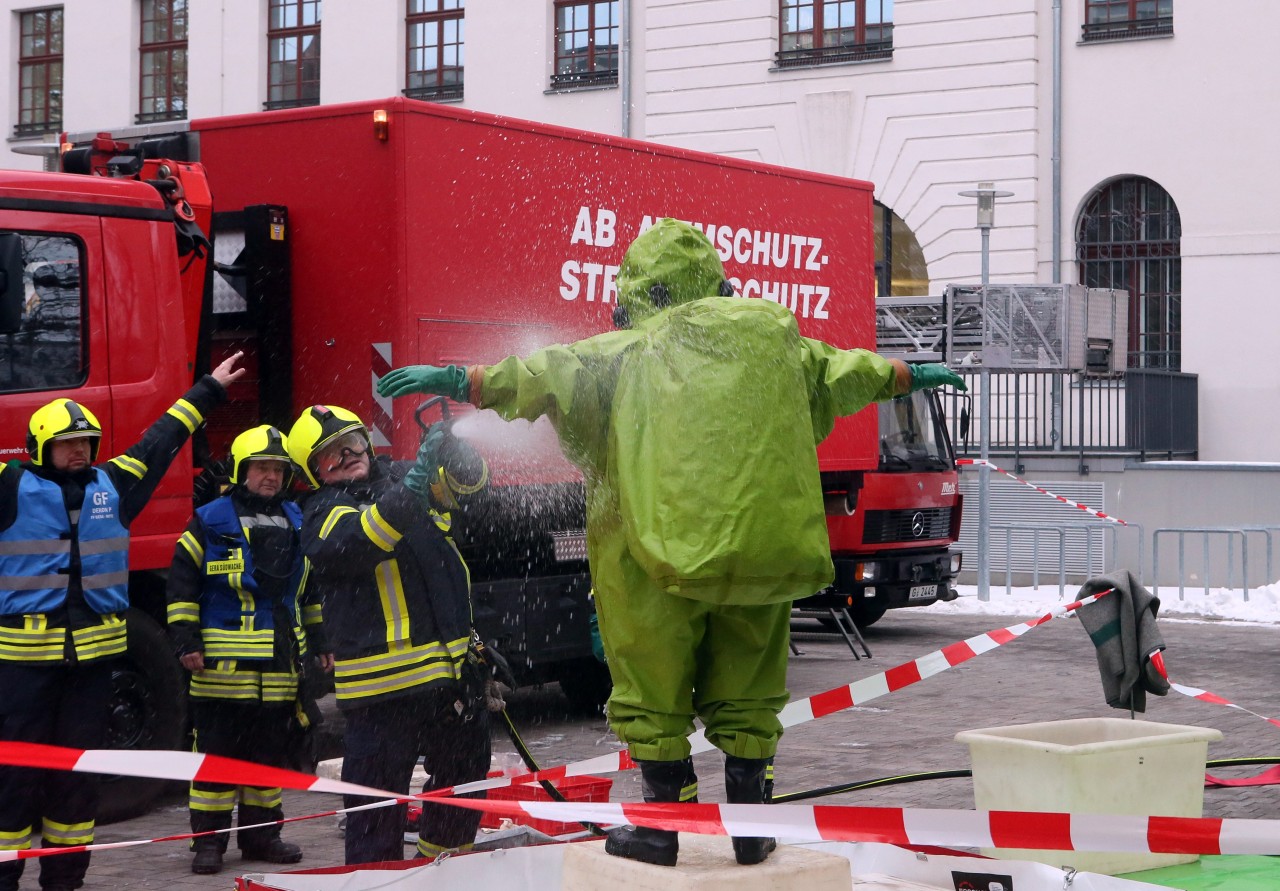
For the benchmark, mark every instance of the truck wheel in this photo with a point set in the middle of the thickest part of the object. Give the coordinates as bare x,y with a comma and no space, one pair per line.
867,614
586,684
147,711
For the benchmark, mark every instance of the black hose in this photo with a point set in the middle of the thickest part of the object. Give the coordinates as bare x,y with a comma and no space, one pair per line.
788,797
527,757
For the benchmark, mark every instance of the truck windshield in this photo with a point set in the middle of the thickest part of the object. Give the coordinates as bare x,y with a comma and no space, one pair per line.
910,435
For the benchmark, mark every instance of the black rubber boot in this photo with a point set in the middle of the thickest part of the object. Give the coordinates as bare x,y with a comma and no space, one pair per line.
276,850
207,861
662,781
745,782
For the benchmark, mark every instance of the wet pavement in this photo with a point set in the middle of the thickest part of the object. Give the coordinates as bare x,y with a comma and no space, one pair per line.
1048,674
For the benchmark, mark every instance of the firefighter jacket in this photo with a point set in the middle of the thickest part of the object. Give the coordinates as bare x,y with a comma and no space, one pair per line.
64,542
396,593
236,596
743,524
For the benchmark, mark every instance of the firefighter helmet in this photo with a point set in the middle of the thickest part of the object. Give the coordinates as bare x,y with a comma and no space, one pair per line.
61,419
264,443
315,428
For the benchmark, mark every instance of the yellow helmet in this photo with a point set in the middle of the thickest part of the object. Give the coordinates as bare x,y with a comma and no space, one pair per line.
264,443
61,419
315,428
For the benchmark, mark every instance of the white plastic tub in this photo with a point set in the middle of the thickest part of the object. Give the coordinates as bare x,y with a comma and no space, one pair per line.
1091,766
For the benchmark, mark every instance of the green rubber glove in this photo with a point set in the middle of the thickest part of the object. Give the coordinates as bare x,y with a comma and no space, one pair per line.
925,377
422,475
449,380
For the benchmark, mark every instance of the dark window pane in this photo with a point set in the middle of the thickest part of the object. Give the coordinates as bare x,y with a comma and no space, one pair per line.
47,352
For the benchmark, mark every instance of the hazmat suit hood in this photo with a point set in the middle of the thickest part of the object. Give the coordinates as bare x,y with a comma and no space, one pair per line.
669,264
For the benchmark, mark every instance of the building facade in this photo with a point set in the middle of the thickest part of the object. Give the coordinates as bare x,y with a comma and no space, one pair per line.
1134,135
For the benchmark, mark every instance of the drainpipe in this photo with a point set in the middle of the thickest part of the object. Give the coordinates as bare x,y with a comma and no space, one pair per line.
624,65
1055,432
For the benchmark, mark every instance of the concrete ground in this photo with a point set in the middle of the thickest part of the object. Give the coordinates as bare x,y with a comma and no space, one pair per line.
1049,674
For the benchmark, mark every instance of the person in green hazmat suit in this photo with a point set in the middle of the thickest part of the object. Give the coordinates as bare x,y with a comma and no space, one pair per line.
695,427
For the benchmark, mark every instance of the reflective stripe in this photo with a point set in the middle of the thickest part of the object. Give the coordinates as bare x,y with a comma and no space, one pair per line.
434,671
312,613
220,644
16,840
251,796
100,641
33,583
379,531
129,464
211,800
397,658
689,792
182,612
395,610
245,686
185,412
37,546
193,547
431,850
443,521
279,687
332,520
104,545
105,579
67,833
35,641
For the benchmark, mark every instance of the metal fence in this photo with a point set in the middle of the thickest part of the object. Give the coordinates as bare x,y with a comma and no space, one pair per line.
1144,414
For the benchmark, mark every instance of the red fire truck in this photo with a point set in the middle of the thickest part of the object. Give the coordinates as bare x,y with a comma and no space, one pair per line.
353,238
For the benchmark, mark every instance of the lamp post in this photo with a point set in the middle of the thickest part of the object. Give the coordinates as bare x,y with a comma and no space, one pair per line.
986,195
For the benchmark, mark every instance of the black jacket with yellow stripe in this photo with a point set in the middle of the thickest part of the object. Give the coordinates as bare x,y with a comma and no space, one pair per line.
74,631
395,592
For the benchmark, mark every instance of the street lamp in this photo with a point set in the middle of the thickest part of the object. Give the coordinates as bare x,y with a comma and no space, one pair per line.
986,195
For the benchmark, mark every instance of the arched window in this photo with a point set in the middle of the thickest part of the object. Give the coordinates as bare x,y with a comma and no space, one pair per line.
1128,237
900,267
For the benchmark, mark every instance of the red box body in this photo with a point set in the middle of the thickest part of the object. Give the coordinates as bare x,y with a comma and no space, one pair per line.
585,788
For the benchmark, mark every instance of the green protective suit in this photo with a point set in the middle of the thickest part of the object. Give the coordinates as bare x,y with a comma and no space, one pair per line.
696,431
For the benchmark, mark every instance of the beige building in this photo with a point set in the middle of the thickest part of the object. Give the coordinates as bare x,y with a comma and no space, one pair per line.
1135,135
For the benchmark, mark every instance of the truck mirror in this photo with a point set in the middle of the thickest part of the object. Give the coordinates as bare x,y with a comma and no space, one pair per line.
12,292
964,424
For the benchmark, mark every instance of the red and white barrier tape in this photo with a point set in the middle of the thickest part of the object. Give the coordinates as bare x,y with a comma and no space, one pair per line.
978,462
802,711
1157,659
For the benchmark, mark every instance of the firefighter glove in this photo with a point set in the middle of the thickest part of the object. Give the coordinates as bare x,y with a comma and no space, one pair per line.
423,474
927,376
449,380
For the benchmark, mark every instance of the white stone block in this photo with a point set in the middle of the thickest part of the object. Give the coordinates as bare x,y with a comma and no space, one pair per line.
706,864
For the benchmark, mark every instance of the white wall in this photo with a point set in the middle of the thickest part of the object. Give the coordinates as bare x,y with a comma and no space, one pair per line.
965,98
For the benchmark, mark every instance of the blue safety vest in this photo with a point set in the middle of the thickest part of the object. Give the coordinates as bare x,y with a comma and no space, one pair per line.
235,621
35,552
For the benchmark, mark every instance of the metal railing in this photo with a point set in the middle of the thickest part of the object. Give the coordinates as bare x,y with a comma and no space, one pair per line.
833,55
1152,26
1144,414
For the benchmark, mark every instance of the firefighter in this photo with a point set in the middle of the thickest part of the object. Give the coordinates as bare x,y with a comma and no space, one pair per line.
696,429
64,540
397,609
240,625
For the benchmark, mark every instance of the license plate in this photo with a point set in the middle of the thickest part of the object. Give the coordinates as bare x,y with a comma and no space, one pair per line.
921,592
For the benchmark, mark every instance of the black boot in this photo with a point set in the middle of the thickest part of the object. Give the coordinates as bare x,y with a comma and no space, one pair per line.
662,781
745,782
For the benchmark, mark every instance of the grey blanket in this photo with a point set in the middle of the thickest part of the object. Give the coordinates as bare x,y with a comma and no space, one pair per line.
1122,626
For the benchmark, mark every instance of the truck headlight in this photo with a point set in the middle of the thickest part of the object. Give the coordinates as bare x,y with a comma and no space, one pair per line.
957,559
866,572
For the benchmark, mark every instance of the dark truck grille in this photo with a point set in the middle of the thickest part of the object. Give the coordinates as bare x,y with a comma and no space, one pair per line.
885,526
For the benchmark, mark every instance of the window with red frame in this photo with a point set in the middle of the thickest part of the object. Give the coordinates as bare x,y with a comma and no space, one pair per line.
293,53
1124,19
162,53
434,36
586,43
39,72
825,32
